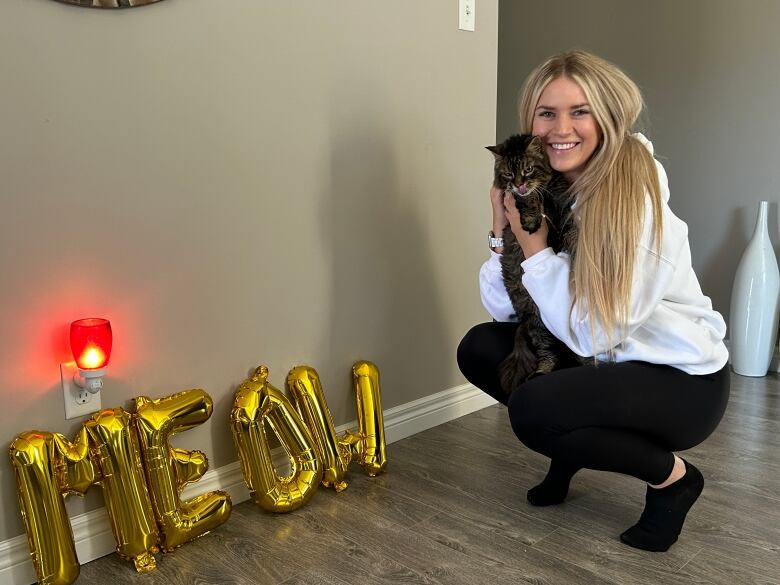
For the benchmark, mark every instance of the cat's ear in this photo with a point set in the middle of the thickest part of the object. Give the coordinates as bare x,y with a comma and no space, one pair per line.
536,145
497,150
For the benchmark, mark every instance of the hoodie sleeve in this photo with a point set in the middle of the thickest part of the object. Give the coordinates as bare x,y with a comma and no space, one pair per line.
492,290
547,280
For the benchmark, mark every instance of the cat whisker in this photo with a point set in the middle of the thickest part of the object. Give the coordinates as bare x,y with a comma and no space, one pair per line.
549,222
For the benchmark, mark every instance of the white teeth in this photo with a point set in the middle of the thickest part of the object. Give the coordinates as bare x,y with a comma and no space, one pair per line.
564,146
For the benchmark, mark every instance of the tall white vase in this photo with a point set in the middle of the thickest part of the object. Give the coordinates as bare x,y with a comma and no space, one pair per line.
755,303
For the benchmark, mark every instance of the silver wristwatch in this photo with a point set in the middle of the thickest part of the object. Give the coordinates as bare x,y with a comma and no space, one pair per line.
494,242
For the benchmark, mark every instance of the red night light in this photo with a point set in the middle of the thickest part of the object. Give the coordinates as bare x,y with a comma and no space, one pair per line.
90,342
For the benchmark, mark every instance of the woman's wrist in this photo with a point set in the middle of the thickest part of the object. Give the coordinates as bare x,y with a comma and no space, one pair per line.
496,241
499,221
530,244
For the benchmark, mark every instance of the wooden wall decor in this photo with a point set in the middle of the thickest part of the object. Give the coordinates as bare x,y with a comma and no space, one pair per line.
108,3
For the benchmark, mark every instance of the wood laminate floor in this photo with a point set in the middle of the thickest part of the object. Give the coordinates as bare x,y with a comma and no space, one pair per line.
451,509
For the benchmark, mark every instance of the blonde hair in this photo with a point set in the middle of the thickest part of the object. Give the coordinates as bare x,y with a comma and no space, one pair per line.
611,190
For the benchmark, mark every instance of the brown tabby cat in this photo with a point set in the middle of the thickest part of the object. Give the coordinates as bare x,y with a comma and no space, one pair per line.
522,167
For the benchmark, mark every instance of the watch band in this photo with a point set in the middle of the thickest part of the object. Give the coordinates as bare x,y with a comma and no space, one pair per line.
494,242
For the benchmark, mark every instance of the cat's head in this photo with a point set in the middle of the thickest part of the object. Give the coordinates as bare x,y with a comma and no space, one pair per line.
521,165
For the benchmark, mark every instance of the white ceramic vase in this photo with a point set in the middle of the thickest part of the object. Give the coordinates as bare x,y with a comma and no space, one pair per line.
755,303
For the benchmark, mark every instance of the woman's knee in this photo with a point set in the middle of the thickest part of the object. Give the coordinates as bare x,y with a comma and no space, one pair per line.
477,350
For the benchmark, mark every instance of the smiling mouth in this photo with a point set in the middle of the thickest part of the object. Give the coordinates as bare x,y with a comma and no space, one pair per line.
563,146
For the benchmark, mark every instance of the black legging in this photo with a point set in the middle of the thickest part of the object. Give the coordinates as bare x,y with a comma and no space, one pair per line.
627,417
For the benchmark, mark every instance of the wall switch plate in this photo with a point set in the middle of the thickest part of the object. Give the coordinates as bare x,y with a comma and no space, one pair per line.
78,402
466,14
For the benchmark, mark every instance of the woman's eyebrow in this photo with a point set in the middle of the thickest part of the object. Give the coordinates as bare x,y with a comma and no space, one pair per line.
575,107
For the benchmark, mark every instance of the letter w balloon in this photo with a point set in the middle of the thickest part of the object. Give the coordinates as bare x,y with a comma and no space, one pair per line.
366,446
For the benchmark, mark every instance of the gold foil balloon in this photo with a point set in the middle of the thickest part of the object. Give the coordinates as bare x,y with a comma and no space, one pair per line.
366,445
167,470
304,385
189,466
73,467
259,405
117,457
49,466
107,451
370,449
49,534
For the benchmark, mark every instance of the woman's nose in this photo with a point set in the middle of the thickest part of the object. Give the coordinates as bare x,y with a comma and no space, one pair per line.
562,125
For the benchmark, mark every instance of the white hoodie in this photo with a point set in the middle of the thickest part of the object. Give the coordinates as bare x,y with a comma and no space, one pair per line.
670,321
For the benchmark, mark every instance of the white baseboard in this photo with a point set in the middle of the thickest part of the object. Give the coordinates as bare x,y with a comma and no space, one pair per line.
92,531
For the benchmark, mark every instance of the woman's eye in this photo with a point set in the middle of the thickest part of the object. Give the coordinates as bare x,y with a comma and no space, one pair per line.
545,114
580,113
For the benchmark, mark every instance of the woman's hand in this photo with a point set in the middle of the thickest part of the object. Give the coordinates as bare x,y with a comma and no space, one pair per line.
499,215
530,243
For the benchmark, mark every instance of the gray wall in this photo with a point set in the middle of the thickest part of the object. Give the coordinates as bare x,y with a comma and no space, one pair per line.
236,183
709,73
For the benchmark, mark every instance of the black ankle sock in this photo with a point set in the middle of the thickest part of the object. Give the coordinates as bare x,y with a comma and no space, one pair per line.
554,487
664,513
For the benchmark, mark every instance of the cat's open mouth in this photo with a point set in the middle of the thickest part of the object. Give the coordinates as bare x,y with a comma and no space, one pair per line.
520,191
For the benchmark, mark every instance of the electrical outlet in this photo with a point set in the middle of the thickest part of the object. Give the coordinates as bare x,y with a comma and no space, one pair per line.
81,395
78,401
467,14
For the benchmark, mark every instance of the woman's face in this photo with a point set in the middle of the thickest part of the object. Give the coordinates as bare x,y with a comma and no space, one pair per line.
564,120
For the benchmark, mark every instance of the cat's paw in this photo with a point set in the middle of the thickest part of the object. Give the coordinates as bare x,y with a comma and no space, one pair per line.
546,365
531,223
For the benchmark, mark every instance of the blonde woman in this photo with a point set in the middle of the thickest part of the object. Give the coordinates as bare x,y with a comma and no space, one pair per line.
626,295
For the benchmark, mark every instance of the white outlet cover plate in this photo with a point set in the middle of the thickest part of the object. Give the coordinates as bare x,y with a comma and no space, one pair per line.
467,14
70,392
